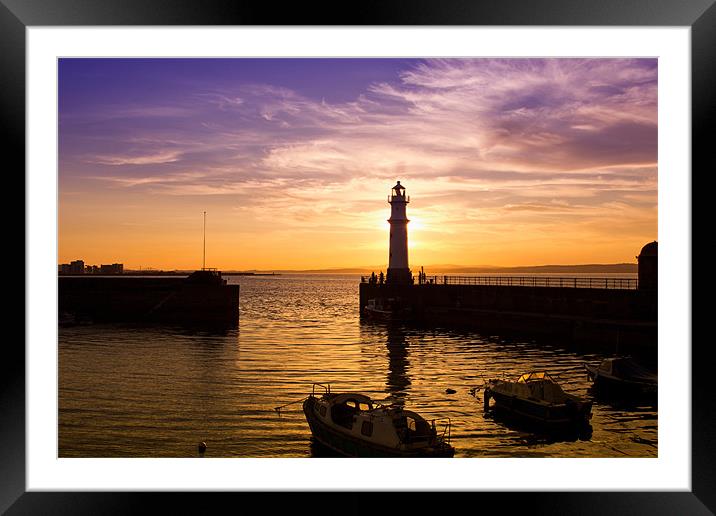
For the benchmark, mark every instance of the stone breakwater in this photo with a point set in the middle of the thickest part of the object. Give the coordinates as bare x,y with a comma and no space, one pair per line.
615,320
148,299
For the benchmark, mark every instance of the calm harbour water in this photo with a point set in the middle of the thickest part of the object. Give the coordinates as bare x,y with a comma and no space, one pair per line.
156,391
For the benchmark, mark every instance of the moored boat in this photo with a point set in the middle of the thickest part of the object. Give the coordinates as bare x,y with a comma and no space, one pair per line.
354,425
622,376
386,310
536,398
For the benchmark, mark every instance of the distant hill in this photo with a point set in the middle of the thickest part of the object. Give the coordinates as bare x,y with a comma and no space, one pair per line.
594,268
344,270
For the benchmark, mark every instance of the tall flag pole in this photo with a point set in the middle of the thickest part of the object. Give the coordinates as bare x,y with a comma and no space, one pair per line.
203,259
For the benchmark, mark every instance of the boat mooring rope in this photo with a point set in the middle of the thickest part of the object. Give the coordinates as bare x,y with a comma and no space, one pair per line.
278,409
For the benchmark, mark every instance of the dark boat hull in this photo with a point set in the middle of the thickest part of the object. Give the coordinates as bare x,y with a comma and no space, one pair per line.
378,315
350,446
554,417
611,386
386,315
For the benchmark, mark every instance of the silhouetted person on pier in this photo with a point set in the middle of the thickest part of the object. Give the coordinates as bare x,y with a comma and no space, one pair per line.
372,277
380,277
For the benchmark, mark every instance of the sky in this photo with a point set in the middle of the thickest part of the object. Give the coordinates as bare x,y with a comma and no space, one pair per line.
507,161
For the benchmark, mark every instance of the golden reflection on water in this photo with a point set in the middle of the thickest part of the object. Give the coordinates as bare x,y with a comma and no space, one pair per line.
143,391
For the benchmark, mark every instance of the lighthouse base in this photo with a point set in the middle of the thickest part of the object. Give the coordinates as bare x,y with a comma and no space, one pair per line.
399,276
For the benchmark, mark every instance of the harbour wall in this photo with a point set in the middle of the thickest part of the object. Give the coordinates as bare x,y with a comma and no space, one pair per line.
611,320
148,299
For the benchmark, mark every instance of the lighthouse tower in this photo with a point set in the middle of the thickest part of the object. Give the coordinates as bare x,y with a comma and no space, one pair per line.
398,271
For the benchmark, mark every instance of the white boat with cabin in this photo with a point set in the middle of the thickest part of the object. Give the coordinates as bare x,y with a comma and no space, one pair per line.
354,425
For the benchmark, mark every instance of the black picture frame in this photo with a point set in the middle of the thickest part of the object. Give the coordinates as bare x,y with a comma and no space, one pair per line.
699,15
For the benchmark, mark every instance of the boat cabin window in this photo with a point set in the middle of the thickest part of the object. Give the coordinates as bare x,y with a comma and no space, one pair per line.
343,413
367,428
358,405
418,427
531,377
411,429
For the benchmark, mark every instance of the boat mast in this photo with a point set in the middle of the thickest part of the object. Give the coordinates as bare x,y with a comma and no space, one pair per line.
203,258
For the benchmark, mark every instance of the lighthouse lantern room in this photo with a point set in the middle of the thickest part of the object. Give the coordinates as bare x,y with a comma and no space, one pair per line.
398,270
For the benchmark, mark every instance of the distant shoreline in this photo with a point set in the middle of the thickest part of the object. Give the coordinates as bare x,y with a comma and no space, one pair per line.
624,268
483,269
173,273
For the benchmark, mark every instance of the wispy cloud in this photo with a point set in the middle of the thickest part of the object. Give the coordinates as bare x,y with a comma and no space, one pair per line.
151,159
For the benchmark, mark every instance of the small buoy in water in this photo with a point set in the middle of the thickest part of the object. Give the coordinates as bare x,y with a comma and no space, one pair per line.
450,391
202,447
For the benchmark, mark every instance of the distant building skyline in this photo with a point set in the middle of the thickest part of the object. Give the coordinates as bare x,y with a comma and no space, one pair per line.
79,267
509,161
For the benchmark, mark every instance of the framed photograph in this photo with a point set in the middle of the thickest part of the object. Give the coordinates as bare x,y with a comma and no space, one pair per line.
219,297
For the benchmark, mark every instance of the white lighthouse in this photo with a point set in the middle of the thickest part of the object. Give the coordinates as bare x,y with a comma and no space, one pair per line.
398,270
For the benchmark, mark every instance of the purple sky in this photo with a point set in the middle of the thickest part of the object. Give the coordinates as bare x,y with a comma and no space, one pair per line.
508,161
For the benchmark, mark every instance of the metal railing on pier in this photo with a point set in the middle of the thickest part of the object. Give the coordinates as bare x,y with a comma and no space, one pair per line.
527,281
